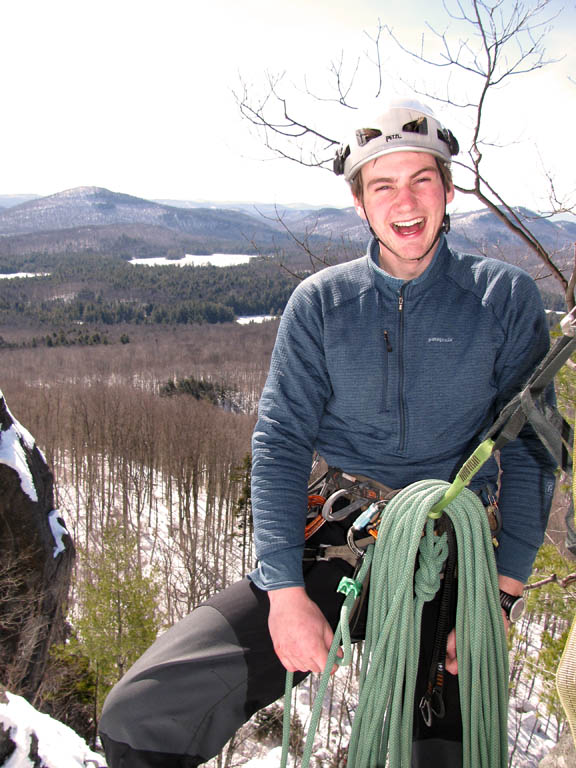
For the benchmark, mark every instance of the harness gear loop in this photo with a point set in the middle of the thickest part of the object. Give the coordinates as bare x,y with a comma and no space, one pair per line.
336,486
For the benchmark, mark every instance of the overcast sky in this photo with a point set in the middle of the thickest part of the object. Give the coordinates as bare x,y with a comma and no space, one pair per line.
137,95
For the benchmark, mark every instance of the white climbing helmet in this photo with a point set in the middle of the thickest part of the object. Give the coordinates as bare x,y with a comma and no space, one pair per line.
405,126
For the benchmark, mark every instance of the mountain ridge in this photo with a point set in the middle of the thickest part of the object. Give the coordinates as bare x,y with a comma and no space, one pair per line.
97,219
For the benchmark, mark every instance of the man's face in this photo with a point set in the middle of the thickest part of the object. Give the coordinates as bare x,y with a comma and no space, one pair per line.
404,202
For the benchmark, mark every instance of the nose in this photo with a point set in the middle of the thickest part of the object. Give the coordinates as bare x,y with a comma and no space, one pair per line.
405,197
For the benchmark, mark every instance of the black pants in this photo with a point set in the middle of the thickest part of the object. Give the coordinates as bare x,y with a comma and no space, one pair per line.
202,679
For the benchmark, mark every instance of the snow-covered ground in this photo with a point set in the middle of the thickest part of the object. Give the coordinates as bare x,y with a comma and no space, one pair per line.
57,746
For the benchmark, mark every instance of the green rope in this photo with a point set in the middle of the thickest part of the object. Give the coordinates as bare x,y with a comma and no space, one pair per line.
383,722
351,588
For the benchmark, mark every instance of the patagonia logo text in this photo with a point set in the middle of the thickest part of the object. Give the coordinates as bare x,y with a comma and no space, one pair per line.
440,340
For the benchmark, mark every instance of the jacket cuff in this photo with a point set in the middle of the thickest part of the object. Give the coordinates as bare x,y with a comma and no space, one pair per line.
279,570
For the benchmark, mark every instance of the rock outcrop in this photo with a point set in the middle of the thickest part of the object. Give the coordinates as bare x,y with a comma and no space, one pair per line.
36,558
563,755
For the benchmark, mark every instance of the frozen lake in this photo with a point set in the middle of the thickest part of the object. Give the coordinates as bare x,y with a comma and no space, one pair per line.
23,274
255,319
215,260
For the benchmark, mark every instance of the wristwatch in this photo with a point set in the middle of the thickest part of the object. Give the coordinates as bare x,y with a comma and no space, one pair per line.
512,605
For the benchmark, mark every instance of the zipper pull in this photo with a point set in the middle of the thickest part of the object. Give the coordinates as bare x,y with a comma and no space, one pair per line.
388,343
400,302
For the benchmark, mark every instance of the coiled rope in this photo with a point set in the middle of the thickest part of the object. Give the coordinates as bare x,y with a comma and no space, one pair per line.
383,722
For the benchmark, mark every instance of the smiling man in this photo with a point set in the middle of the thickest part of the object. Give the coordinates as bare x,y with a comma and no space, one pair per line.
391,367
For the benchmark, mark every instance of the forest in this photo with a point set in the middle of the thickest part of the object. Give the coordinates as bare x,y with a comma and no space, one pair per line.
106,291
147,481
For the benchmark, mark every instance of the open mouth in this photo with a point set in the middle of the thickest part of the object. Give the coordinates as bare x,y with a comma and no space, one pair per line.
408,227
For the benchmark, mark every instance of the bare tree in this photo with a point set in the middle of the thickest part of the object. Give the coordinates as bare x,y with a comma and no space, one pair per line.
496,42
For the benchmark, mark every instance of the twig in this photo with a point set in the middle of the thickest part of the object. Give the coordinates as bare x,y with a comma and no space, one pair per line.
553,579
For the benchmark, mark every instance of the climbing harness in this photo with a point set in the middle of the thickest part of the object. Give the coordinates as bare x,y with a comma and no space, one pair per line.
333,487
337,495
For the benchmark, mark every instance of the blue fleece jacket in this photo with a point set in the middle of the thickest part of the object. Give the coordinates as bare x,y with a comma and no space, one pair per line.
397,381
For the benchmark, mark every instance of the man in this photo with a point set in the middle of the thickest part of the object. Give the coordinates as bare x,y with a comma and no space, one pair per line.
390,367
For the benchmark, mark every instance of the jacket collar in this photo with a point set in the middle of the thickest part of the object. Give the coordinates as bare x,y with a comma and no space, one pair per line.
435,269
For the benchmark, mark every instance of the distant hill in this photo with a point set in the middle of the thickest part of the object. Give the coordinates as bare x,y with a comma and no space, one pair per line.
478,231
94,206
98,220
252,207
481,229
7,201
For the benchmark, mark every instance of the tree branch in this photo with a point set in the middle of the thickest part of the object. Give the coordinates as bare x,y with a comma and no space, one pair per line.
553,579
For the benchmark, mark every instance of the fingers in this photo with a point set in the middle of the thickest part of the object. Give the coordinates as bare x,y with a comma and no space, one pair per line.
297,656
301,635
451,659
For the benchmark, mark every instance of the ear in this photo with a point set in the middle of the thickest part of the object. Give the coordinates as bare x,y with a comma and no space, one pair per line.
450,194
359,207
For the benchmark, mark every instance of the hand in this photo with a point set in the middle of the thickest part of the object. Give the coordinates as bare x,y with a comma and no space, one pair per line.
506,583
300,633
451,660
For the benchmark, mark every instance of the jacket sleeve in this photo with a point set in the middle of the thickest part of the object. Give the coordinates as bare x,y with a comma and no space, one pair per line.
528,469
289,413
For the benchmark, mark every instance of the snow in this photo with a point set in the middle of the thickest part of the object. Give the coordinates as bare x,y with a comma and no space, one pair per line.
23,274
58,745
12,454
271,760
58,531
255,319
215,260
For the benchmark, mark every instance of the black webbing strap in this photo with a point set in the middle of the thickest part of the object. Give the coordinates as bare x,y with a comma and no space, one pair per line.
529,405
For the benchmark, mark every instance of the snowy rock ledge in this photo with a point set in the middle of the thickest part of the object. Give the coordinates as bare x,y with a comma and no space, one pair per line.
37,555
29,738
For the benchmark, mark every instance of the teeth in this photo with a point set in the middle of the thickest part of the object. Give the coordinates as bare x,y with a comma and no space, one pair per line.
412,223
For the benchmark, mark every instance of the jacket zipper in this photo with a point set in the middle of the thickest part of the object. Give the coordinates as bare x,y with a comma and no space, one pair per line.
388,342
402,414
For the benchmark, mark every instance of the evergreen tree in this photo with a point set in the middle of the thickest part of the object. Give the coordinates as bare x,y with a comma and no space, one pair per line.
118,608
243,510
